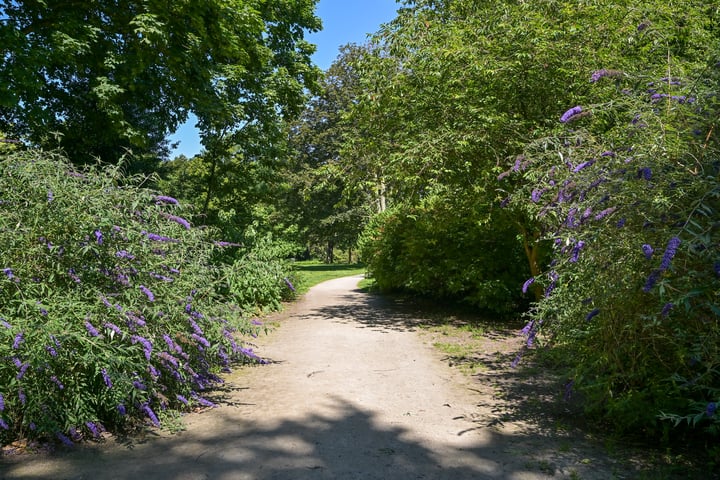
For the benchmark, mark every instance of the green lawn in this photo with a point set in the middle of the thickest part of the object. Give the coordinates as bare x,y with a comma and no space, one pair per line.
311,272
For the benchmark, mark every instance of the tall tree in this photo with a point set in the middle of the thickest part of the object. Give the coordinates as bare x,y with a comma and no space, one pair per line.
320,196
98,78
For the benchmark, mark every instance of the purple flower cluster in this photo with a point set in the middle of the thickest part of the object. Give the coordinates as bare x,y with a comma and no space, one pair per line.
147,293
147,345
160,199
570,114
598,74
91,329
106,378
527,284
179,220
159,238
151,415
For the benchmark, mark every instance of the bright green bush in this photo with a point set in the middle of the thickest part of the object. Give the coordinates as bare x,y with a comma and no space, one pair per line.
110,302
628,191
439,252
262,277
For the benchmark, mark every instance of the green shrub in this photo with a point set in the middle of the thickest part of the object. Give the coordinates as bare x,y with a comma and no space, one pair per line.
262,277
444,253
629,194
110,302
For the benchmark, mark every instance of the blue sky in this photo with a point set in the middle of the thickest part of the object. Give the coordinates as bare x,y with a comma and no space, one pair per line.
344,21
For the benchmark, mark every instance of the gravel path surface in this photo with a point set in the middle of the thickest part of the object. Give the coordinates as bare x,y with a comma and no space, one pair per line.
353,391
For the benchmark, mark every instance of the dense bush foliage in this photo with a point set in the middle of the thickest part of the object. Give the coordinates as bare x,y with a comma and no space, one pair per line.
439,252
111,302
629,194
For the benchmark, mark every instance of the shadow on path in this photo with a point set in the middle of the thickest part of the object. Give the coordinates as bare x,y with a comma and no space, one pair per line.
341,441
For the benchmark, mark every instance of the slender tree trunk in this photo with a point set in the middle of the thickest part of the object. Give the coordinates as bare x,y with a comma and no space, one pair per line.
330,252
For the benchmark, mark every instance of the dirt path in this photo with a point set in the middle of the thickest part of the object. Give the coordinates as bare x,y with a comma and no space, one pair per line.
353,392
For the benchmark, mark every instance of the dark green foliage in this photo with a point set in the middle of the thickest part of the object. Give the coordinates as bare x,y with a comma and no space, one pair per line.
440,253
98,78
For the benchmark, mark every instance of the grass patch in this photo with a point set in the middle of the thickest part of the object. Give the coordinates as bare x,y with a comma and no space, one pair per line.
309,273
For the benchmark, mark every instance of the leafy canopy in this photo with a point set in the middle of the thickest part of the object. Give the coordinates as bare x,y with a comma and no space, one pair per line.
97,78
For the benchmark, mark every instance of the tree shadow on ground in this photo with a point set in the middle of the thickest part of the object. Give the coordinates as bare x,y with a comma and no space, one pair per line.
531,395
340,441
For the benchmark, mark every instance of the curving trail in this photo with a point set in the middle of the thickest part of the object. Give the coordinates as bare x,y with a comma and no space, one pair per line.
352,392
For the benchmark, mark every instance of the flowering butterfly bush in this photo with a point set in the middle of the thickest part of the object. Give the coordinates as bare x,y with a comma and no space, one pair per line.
112,311
627,197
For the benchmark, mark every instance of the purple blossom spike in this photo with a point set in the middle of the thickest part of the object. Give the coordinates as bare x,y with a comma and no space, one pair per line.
518,163
5,324
139,385
64,439
51,350
583,165
19,339
711,409
50,196
2,402
670,252
517,359
204,402
22,368
151,415
527,284
112,327
536,194
598,74
645,173
98,237
716,267
201,340
530,326
289,284
4,425
648,251
57,382
159,238
226,244
106,378
147,345
182,399
179,220
91,330
605,213
124,254
570,114
160,199
666,309
8,272
592,314
121,410
652,280
148,293
576,251
21,396
621,223
93,429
